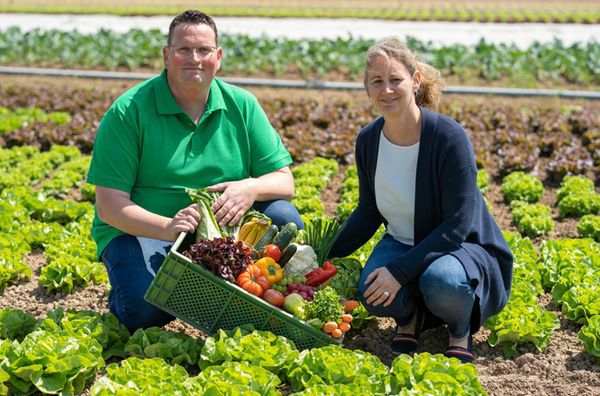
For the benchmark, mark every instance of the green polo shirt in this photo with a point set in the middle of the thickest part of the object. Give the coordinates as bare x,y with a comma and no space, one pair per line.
148,146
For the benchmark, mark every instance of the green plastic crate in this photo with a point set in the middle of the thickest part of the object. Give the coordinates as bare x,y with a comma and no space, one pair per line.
209,303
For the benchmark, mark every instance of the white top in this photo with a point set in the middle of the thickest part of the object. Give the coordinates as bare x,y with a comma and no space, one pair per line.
395,182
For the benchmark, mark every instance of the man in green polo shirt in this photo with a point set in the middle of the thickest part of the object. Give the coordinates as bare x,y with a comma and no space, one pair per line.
182,129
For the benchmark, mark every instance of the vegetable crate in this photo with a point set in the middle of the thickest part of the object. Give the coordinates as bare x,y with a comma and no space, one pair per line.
195,295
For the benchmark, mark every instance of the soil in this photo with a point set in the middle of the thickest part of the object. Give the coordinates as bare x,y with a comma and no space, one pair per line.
564,368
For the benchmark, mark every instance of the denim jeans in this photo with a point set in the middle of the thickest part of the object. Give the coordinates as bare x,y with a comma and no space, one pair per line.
443,287
132,263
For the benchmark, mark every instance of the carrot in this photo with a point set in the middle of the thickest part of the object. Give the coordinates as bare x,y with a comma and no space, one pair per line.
329,327
344,326
337,333
346,318
350,305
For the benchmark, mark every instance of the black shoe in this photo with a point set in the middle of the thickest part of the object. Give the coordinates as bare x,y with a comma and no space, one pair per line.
465,355
406,342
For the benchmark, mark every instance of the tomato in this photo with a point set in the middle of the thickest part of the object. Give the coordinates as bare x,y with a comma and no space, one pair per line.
274,297
271,250
253,281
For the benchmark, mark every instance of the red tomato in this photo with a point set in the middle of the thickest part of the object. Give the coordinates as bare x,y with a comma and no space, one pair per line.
271,250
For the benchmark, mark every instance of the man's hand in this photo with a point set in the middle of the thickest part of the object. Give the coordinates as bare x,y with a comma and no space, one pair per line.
383,289
236,198
186,220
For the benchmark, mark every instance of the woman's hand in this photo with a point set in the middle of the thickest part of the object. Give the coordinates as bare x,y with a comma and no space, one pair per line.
186,220
383,289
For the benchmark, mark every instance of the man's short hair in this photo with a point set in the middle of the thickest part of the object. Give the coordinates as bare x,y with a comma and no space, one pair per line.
192,17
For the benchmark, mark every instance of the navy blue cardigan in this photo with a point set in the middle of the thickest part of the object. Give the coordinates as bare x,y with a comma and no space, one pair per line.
450,214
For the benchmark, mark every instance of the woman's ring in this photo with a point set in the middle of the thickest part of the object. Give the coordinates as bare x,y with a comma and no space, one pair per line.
386,294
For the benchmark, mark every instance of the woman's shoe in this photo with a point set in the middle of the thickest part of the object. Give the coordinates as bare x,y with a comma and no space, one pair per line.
406,342
465,355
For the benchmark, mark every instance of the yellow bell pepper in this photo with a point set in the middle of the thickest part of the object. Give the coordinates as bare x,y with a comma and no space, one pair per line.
270,269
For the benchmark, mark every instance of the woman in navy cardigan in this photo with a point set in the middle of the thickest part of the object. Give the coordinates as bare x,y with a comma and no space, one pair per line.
442,258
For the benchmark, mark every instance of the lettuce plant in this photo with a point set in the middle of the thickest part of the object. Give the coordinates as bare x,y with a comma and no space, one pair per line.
434,374
259,348
521,322
520,186
67,272
104,327
152,376
574,185
175,348
236,378
483,180
589,335
332,364
580,204
532,219
52,362
589,227
12,267
16,324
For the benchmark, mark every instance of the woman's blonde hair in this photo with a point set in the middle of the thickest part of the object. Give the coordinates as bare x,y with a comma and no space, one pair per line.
430,89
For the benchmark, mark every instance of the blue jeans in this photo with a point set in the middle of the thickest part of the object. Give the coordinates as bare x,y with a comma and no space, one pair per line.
132,263
443,287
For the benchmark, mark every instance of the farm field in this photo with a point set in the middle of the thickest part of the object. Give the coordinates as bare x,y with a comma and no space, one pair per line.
549,138
578,11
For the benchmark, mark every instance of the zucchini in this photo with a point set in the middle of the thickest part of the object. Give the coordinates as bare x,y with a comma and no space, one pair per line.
287,254
266,238
286,235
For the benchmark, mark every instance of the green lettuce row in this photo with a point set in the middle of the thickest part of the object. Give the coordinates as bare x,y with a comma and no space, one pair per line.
67,272
589,335
52,362
310,179
21,117
33,170
174,348
348,194
138,48
527,280
68,176
13,156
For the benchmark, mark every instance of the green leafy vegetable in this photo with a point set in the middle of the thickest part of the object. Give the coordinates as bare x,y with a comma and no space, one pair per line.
174,347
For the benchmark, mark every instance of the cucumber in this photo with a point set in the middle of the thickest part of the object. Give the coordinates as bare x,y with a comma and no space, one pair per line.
266,238
285,236
287,254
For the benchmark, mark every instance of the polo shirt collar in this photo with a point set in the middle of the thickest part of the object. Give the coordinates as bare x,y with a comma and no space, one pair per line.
166,104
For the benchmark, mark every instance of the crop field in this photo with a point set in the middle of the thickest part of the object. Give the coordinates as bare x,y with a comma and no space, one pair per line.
539,164
574,11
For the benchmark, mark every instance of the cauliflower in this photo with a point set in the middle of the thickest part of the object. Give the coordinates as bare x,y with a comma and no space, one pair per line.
302,262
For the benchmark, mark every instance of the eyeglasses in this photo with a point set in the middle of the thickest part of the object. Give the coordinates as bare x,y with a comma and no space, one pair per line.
203,52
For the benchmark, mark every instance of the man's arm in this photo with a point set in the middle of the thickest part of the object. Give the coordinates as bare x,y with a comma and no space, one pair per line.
116,209
239,196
